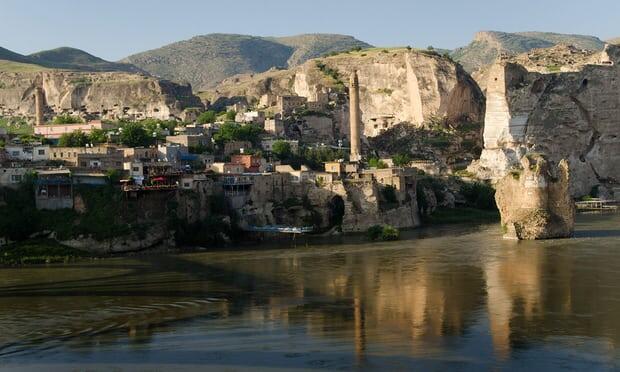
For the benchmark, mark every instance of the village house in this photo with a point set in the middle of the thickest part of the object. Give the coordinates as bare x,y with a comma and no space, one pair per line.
268,100
69,155
27,152
191,129
296,176
55,131
189,140
109,161
251,163
274,126
54,190
171,152
251,117
13,176
144,154
135,170
227,168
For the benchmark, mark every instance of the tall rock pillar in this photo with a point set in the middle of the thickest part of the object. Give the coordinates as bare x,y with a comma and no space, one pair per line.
38,106
354,117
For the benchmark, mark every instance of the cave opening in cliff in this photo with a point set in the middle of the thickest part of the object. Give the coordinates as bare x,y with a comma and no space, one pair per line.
336,210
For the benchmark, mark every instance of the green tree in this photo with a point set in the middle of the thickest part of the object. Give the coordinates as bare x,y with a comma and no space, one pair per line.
74,139
134,135
282,150
97,136
237,132
66,119
376,163
207,117
401,160
230,115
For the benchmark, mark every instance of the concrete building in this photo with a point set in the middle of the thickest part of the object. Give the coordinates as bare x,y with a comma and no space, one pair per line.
227,168
54,190
55,131
144,154
27,152
69,155
104,162
296,176
12,177
171,152
251,117
189,140
251,163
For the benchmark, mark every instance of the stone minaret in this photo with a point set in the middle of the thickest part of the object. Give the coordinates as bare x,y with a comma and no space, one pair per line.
354,117
38,106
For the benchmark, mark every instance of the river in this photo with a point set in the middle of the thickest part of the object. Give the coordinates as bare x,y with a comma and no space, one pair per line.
442,297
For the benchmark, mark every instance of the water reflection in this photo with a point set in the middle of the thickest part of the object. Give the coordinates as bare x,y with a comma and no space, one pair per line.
469,298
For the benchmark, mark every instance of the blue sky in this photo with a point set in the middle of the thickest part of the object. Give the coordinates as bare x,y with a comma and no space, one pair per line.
113,29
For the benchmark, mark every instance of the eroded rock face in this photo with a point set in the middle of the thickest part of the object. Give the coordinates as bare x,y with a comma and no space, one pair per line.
572,115
535,201
395,86
109,95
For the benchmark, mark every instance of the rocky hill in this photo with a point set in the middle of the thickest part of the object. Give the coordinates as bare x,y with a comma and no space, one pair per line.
76,59
488,45
206,60
63,58
568,112
110,95
615,41
396,86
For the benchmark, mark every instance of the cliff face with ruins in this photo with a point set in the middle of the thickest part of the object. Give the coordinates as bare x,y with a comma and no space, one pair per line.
396,86
561,102
111,94
535,201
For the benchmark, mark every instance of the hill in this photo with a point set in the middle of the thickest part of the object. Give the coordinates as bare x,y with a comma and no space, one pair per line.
488,45
614,41
206,60
76,59
61,58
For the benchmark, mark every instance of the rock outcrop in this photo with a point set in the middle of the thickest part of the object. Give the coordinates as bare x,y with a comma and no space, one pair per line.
535,202
573,115
396,85
110,95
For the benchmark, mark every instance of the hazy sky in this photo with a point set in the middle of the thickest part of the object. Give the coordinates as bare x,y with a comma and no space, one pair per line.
113,29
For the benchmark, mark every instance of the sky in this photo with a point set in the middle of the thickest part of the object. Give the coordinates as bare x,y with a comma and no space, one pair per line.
113,29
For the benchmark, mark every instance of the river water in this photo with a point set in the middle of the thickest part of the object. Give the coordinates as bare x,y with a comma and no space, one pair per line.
446,297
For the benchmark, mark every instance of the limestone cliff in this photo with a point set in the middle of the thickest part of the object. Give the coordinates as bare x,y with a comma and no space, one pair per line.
396,85
573,115
109,94
535,201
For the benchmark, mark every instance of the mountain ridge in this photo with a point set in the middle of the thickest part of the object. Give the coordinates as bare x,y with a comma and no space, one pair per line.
206,60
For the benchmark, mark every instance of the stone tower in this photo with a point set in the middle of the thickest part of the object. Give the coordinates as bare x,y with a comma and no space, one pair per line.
354,117
39,100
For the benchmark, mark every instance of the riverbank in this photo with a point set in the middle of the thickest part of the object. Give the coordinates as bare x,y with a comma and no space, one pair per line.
39,251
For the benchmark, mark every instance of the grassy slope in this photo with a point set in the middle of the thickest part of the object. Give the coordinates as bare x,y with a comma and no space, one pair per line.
11,66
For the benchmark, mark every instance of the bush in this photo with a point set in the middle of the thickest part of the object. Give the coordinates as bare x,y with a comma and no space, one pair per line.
389,194
401,160
479,195
282,150
67,119
74,139
207,117
135,135
376,163
385,233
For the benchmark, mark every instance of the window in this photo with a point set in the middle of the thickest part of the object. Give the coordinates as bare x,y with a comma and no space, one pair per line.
135,169
15,153
41,152
16,178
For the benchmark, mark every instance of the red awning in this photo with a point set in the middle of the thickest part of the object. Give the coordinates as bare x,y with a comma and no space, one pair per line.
158,179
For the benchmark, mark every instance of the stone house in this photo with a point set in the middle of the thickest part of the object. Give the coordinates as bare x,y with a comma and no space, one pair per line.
296,176
274,126
55,131
287,104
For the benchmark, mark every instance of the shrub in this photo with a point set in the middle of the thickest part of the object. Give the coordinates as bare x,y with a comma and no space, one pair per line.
66,119
385,233
376,163
479,195
207,117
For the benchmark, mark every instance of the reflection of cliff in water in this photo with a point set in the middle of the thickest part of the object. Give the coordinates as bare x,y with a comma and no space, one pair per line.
412,296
